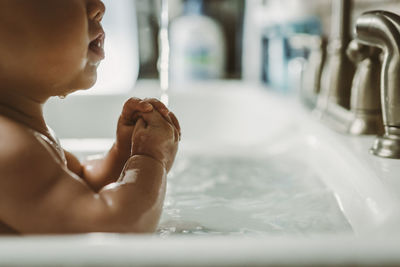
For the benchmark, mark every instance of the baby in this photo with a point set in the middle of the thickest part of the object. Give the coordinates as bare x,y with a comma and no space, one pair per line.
52,48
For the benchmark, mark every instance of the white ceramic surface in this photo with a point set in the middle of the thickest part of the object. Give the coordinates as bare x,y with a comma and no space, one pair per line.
227,117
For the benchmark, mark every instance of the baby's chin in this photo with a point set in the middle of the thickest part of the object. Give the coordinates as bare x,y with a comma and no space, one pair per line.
84,82
89,77
89,83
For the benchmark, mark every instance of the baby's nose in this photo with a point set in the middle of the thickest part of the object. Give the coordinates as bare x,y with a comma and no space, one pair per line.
95,9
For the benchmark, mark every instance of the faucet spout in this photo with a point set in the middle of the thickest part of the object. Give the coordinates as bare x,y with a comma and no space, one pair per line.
382,29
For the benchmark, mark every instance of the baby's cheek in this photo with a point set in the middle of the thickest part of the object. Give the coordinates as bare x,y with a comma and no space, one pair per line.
64,43
70,49
50,51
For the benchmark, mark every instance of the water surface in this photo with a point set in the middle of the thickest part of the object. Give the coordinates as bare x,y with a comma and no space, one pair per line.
241,195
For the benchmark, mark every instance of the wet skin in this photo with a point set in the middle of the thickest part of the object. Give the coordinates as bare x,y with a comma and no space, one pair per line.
52,48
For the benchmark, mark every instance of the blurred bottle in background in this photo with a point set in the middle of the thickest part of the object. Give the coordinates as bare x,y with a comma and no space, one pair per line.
257,34
226,15
197,44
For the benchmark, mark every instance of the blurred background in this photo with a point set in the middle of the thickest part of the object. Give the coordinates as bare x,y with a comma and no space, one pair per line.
216,39
277,45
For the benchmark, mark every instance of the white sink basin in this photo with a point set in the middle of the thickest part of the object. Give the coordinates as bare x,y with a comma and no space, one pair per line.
257,181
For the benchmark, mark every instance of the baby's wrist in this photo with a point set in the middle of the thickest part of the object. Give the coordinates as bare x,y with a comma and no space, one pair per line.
146,159
141,165
122,150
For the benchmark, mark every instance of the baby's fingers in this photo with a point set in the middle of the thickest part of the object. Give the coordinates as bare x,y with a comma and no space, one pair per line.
163,110
159,121
139,126
131,107
154,118
159,106
175,122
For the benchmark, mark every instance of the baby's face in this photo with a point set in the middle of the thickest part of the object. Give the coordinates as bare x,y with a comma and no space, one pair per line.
50,45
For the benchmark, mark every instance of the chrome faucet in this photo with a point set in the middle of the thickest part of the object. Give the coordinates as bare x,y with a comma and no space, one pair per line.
312,68
338,71
365,104
349,100
382,29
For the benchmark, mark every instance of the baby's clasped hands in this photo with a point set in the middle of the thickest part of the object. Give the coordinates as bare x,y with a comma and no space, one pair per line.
148,128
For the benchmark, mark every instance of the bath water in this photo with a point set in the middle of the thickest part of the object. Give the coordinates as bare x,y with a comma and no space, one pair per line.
241,195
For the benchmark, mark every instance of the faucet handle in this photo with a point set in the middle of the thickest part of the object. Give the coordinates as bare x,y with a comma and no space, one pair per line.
382,29
358,51
365,103
312,68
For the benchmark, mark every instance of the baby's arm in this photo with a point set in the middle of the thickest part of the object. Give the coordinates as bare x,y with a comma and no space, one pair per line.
105,170
38,195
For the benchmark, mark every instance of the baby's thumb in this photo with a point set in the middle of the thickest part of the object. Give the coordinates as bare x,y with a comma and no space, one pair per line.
153,118
139,125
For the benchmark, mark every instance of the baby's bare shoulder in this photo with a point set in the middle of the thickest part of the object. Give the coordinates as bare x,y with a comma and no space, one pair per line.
24,163
14,137
20,152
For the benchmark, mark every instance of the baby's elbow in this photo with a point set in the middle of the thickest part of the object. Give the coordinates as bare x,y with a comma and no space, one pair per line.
117,218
